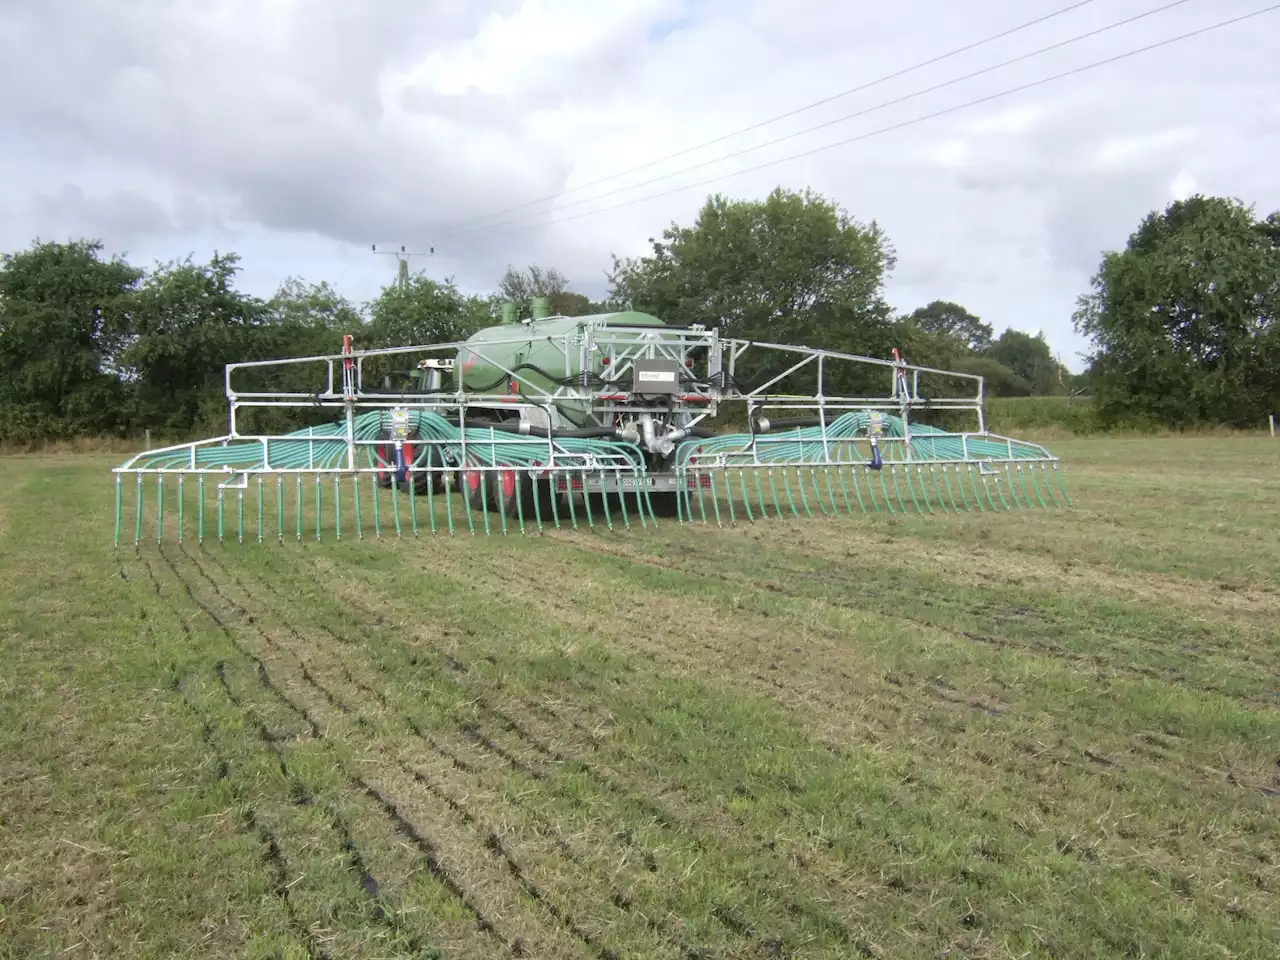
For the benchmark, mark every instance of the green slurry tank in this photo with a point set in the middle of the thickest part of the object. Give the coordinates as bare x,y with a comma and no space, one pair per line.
546,353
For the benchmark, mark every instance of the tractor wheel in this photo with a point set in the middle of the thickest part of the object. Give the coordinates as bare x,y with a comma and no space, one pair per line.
384,458
476,487
513,491
433,457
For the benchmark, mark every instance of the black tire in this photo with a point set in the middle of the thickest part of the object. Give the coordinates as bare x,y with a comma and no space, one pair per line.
432,457
506,483
384,458
476,487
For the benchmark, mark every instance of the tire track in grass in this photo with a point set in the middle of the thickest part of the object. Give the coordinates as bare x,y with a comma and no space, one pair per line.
1056,821
768,672
772,671
557,912
707,566
425,847
299,792
830,924
1074,759
682,827
472,732
489,837
249,824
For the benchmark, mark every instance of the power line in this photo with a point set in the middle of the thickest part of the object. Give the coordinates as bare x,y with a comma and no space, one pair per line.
912,122
790,113
484,228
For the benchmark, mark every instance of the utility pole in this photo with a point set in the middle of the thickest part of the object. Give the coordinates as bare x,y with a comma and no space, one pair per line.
402,262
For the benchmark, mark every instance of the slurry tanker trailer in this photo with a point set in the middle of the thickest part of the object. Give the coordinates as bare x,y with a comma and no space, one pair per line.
555,421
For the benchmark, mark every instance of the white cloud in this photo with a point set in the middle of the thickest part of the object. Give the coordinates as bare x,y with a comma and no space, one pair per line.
298,133
1141,148
1183,186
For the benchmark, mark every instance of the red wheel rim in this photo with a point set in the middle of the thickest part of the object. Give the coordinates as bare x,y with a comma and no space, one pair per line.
508,483
473,480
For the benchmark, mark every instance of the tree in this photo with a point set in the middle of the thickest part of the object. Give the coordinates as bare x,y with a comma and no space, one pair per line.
952,320
1030,360
780,268
315,305
1185,318
65,316
424,311
190,322
521,286
998,380
792,268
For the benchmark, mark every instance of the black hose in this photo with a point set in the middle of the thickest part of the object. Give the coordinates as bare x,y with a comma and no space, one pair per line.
768,426
515,426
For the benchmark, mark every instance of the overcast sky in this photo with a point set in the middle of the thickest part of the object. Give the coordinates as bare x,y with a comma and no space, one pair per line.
299,132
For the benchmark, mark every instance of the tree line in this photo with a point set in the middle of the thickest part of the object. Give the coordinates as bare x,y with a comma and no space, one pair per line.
1183,319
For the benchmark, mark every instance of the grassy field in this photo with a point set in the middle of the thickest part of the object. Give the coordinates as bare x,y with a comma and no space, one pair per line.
1038,734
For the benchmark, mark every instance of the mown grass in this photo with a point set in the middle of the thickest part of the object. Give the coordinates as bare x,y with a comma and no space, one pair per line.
1042,733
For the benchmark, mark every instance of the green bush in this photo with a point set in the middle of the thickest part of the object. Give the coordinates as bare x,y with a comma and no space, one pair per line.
1014,415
